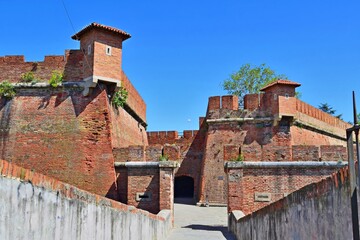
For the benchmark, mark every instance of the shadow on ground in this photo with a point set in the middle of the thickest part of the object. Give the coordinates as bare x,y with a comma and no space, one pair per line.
186,201
221,229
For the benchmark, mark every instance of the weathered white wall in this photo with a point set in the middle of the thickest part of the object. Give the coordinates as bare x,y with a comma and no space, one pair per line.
32,212
318,211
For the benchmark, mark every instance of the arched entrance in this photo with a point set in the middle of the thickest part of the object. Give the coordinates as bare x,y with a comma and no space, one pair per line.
184,187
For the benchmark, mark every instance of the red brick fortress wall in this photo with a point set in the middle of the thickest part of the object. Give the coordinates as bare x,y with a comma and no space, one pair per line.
247,181
274,126
58,132
186,149
13,67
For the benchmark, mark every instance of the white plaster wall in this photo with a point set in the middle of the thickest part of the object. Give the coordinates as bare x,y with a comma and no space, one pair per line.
301,215
31,212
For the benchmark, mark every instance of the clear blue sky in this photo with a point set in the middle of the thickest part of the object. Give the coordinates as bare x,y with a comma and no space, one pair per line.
181,51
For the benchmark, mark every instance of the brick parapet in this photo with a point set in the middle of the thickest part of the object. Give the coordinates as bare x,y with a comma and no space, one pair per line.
314,116
162,137
171,137
230,102
333,153
12,68
253,101
286,153
152,153
279,105
172,152
134,101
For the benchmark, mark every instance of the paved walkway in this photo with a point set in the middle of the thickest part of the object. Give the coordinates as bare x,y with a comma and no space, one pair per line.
197,223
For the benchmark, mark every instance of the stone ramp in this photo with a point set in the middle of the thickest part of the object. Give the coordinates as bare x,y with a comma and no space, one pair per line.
196,223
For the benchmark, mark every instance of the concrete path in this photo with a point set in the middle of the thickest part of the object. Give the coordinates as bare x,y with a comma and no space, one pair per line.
197,223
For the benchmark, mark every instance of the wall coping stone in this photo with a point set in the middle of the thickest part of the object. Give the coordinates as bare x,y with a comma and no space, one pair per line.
165,214
46,85
165,164
299,164
238,214
221,120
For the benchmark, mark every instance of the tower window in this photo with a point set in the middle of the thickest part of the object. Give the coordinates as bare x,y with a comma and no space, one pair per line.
108,50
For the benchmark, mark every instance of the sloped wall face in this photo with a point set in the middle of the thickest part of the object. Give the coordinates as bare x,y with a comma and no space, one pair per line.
303,136
39,207
134,101
126,131
318,211
60,133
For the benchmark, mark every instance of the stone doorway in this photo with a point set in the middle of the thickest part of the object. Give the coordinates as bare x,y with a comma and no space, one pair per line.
184,187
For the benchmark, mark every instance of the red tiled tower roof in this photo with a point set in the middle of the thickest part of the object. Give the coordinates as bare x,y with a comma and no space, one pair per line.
95,25
281,82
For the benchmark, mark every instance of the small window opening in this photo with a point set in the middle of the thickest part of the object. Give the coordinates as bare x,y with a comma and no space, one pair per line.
143,197
108,50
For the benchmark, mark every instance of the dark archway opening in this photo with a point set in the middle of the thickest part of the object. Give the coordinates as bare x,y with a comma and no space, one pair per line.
184,187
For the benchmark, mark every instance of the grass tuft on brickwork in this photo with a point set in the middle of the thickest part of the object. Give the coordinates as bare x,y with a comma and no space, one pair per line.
119,98
27,77
7,90
56,78
240,158
163,158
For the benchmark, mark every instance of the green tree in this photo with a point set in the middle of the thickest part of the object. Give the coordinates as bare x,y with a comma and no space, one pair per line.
249,80
328,109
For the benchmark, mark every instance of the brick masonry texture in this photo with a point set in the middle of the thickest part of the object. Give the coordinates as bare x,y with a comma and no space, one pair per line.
77,139
186,149
140,181
279,128
155,182
278,182
61,133
73,65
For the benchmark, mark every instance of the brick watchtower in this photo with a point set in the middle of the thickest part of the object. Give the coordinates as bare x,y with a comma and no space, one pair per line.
102,48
